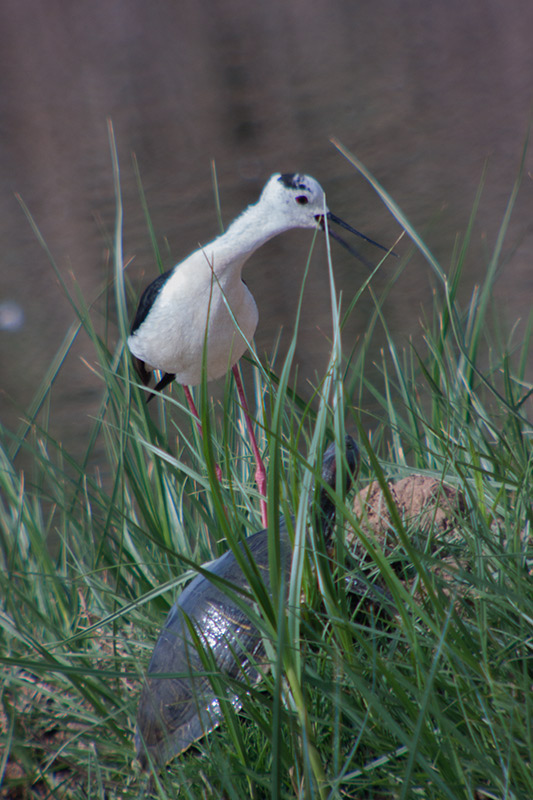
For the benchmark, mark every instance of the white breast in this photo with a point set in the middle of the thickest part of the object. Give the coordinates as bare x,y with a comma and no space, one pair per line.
173,335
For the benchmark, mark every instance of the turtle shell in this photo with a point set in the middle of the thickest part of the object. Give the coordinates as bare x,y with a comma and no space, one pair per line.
176,710
210,630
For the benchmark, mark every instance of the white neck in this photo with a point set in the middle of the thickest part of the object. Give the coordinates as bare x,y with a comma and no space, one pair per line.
246,234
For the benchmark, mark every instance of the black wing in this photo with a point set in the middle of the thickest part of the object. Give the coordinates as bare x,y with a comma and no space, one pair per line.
148,298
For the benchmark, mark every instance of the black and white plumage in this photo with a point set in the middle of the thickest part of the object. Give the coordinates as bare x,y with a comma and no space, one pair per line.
169,329
203,302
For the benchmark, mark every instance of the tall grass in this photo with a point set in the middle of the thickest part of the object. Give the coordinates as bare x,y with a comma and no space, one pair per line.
428,696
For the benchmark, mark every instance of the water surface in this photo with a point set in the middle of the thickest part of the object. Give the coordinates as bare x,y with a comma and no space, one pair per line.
425,93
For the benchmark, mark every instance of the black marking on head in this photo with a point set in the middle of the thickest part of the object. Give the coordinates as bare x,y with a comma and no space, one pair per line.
148,298
293,181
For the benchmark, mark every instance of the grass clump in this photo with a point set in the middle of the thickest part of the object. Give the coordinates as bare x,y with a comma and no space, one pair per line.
417,684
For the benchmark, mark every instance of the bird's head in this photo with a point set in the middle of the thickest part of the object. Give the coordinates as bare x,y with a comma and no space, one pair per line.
300,199
301,202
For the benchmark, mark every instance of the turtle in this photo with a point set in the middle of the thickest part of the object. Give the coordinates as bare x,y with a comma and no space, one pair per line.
210,624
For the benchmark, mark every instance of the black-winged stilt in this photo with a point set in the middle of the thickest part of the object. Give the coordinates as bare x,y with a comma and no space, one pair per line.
188,307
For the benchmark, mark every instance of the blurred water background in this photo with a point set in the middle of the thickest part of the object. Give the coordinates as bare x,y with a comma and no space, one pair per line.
425,93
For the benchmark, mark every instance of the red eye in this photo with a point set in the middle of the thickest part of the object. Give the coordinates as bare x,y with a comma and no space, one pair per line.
302,200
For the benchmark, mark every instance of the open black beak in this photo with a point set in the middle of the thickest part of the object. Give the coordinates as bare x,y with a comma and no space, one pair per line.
337,221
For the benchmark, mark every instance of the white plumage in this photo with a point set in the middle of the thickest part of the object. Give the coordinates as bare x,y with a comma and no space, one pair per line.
169,330
203,302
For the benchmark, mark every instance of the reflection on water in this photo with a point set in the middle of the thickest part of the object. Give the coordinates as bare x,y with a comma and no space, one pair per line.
422,92
11,316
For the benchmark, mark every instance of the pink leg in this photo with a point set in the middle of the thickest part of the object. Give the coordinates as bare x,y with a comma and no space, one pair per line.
192,408
260,472
194,411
